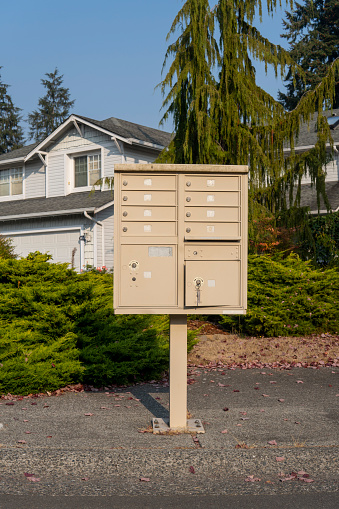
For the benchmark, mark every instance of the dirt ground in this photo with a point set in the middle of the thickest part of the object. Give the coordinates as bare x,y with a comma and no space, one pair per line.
216,346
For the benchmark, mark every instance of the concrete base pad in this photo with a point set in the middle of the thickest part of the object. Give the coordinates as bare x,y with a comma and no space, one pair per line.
162,426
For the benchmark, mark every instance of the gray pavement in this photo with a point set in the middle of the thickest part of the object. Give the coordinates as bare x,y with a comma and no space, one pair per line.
70,454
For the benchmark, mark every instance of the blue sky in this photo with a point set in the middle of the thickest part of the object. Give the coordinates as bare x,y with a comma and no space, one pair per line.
110,53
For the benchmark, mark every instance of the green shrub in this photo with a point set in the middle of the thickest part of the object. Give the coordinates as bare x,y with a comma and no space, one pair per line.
288,297
58,328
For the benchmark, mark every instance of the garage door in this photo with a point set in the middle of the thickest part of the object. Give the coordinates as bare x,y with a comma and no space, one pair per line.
59,244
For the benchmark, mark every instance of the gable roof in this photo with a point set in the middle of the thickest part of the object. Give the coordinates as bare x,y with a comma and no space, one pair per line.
74,203
128,132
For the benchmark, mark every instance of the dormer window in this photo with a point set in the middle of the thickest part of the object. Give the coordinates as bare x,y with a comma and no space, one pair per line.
87,170
11,182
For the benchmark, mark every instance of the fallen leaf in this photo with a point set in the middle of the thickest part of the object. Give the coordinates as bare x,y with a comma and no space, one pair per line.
145,479
280,458
251,478
22,442
33,479
88,415
26,474
281,400
10,403
272,442
300,382
224,431
84,478
225,409
265,395
192,470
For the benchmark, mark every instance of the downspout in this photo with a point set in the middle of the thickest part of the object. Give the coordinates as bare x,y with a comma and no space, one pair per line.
102,235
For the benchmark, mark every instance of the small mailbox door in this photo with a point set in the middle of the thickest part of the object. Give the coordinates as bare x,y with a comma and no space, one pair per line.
147,276
214,283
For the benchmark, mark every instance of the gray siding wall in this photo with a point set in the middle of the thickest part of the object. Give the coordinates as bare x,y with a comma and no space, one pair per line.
139,155
56,175
332,171
106,216
35,180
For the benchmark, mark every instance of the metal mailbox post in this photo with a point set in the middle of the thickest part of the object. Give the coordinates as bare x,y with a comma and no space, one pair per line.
180,247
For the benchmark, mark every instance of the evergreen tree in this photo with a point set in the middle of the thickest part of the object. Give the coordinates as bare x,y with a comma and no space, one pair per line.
11,133
312,30
53,108
222,116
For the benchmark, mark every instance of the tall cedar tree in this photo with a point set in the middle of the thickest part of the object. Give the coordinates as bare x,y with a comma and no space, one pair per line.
312,30
222,116
53,108
11,133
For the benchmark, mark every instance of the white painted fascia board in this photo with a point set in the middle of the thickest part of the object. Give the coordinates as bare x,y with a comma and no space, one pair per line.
42,230
146,144
15,160
71,120
49,213
103,207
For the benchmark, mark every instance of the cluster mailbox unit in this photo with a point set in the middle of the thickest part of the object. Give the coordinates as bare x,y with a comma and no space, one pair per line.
180,240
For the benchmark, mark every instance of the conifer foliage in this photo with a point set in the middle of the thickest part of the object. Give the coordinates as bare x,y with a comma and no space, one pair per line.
53,108
11,133
221,116
312,30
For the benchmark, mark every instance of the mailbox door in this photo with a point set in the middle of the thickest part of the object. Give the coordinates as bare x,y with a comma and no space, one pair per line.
219,283
147,276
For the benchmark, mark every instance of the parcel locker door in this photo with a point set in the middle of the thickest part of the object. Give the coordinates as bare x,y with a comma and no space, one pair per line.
148,276
212,283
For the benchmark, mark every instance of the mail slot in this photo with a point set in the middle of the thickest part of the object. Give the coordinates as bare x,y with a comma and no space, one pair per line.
212,214
148,229
212,198
219,283
212,252
148,197
147,182
217,231
138,213
211,183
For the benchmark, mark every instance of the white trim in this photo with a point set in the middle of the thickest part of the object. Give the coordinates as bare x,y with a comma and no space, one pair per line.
41,230
95,244
103,207
103,244
77,128
146,144
42,159
49,213
15,160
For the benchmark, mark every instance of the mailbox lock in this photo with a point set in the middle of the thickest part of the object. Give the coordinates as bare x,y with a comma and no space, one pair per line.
124,229
125,214
188,214
188,198
195,253
125,183
133,265
134,278
125,198
188,230
188,183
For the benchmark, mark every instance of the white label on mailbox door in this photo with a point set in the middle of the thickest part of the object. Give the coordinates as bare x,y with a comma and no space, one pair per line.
147,197
147,213
210,229
160,251
211,283
147,275
210,197
211,183
147,228
210,213
147,182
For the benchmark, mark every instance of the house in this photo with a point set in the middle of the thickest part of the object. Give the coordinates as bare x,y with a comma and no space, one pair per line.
47,199
306,140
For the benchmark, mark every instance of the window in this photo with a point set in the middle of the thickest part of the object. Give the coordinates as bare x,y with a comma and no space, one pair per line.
11,182
87,170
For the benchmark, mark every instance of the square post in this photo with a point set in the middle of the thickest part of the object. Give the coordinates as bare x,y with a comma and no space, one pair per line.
178,372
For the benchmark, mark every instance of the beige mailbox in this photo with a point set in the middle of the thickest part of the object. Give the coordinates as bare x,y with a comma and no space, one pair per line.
180,240
180,247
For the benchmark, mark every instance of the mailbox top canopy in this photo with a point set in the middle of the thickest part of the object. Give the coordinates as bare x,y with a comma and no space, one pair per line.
180,168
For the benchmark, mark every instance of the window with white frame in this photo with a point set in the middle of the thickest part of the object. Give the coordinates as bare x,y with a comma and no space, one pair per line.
11,182
87,170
